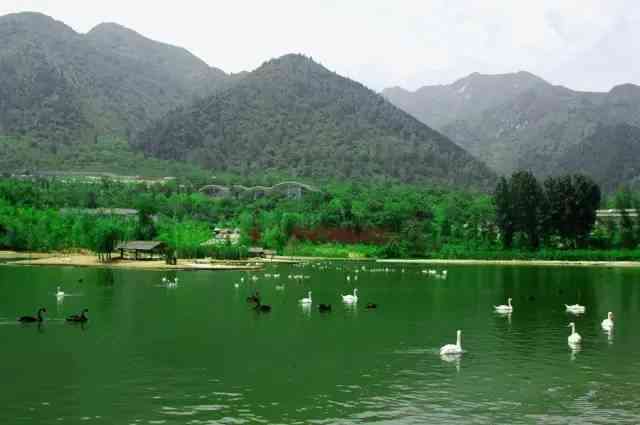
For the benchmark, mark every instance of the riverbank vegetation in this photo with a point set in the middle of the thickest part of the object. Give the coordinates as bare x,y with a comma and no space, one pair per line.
524,219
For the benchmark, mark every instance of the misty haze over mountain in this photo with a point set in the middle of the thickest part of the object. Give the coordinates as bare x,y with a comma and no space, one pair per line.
583,45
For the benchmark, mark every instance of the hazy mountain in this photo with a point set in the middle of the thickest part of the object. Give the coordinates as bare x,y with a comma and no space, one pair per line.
58,85
519,121
294,116
611,155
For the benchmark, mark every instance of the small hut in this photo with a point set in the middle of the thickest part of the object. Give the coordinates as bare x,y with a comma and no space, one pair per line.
142,250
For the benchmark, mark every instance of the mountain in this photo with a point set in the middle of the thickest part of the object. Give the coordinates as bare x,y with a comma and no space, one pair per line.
59,85
519,121
611,155
467,97
294,116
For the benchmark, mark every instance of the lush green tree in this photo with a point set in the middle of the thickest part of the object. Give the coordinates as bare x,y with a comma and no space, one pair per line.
505,219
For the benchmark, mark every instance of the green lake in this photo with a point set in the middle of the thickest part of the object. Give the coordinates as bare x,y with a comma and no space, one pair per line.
199,354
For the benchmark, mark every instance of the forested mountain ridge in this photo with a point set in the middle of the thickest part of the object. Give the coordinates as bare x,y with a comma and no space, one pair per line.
61,86
521,121
295,116
611,155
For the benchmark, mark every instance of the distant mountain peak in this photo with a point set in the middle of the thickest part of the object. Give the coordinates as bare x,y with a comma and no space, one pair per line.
291,61
112,28
36,21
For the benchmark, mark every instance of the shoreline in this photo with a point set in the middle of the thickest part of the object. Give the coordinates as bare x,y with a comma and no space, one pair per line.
86,260
568,263
90,260
555,263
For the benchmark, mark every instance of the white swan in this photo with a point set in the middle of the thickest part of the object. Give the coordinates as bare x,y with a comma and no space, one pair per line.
504,308
59,293
575,337
351,299
453,348
576,308
607,324
306,300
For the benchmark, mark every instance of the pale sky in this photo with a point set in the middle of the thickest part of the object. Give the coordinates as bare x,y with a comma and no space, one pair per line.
582,44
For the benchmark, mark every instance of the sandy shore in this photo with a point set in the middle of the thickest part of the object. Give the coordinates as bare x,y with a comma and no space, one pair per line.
9,255
86,260
521,262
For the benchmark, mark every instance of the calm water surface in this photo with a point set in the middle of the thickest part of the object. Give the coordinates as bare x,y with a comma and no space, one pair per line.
197,354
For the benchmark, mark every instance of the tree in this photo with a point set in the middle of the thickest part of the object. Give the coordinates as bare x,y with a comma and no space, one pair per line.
624,201
504,212
528,203
107,235
587,200
146,229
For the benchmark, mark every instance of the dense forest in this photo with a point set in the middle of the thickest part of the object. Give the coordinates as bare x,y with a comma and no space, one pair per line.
294,116
524,219
62,87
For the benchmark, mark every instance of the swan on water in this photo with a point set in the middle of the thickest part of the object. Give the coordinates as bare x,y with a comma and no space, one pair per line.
306,300
453,348
607,324
575,337
59,293
504,308
576,308
350,299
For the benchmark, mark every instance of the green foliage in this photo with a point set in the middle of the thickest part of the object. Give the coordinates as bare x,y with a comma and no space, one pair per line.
565,208
294,116
62,88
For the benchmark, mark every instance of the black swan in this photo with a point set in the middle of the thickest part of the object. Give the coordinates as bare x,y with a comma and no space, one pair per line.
262,308
79,318
324,307
31,319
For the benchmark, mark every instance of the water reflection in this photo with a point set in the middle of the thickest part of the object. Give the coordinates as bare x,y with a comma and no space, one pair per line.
306,309
452,358
574,349
609,334
505,316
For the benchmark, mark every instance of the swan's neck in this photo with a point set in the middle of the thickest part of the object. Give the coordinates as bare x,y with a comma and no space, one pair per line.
39,315
573,329
458,340
509,302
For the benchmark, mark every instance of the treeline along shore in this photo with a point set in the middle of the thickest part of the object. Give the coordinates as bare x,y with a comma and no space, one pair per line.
524,219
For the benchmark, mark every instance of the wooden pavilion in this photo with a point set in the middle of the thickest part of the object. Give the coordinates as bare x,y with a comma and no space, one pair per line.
142,250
